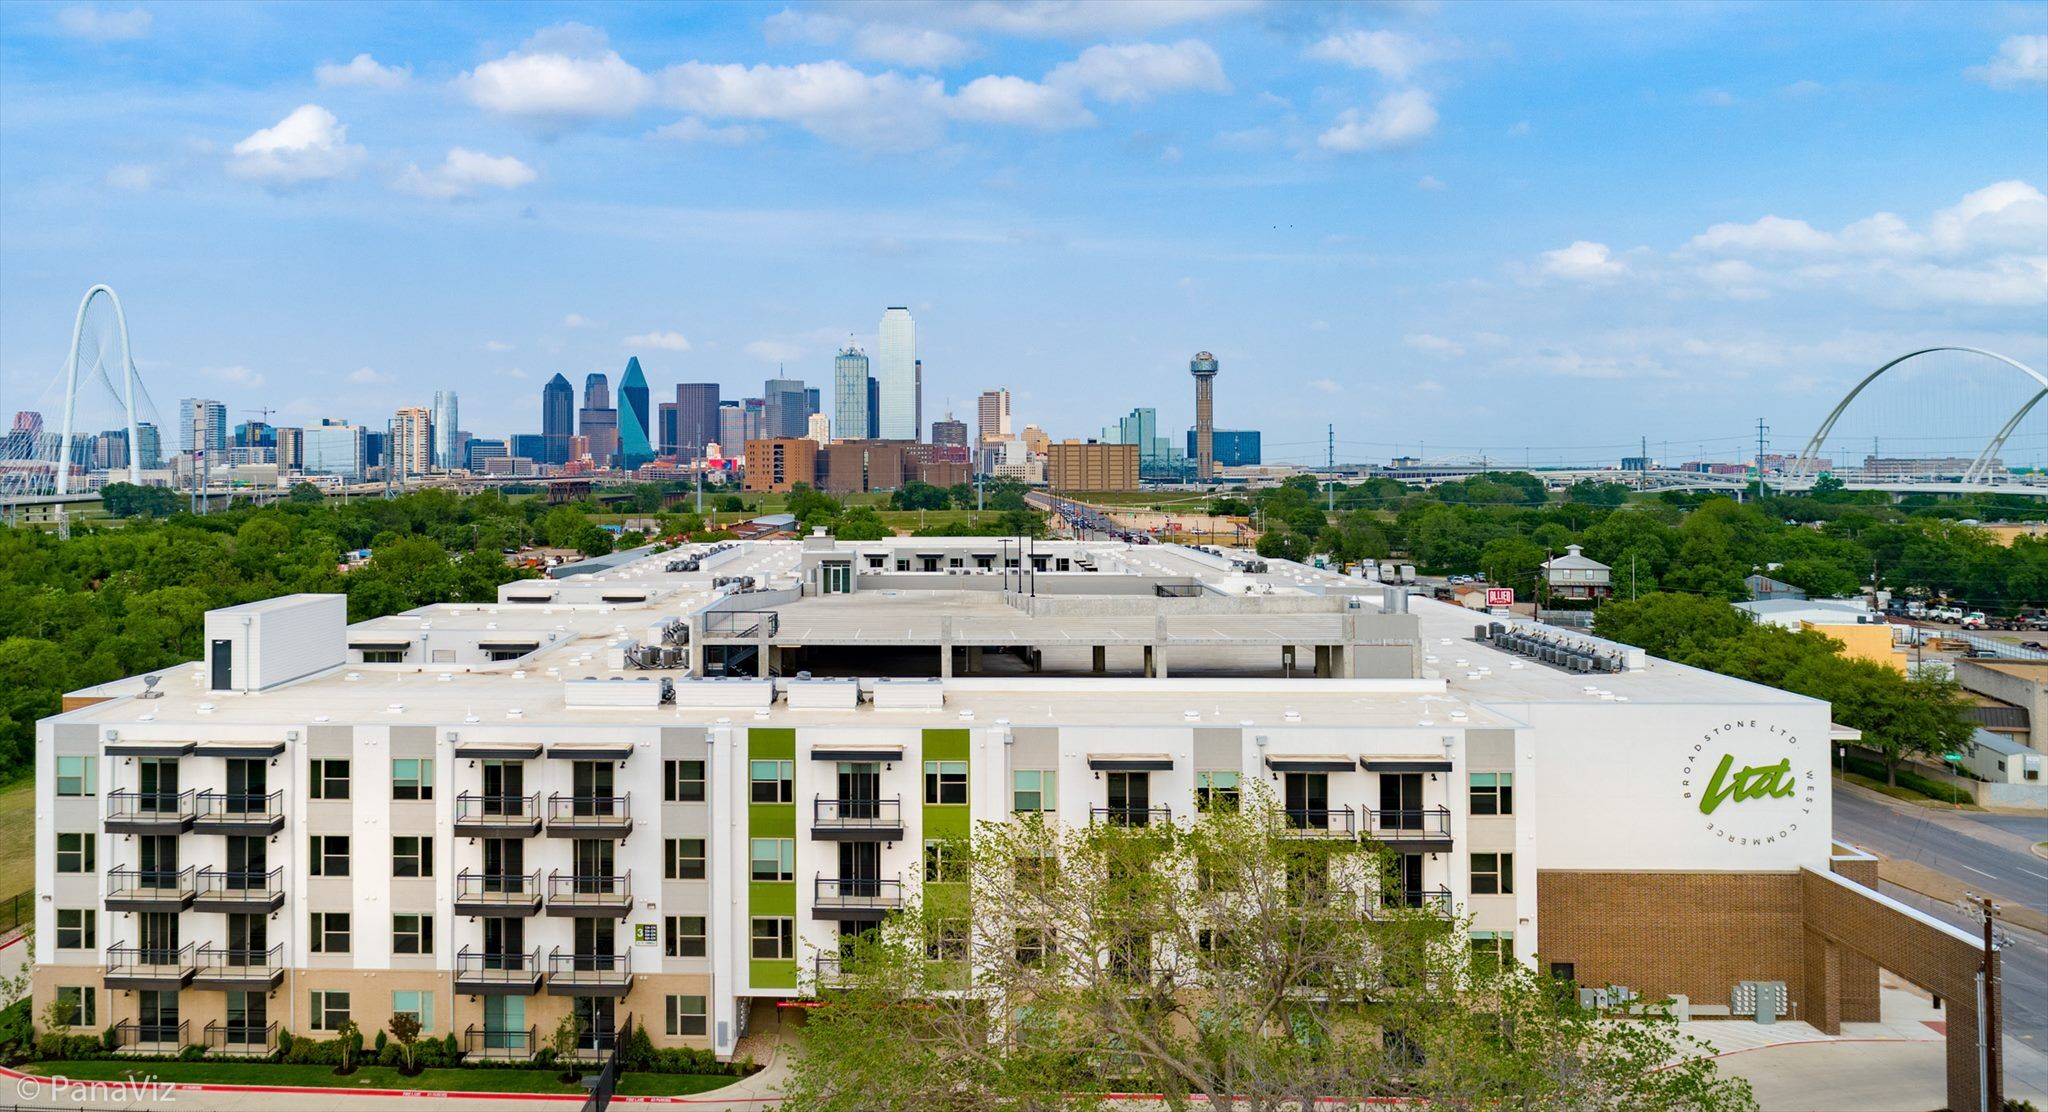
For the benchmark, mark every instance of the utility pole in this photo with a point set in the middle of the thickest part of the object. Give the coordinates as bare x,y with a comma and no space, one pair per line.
1330,465
1761,429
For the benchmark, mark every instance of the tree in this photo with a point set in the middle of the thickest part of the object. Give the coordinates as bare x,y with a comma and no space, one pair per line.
1825,488
915,495
405,1028
592,540
563,1042
1219,960
351,1038
861,524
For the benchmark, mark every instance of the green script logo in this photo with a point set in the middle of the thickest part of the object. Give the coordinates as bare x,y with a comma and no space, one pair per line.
1772,781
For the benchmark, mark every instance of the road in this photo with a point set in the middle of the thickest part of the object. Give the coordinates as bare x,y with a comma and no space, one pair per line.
1986,851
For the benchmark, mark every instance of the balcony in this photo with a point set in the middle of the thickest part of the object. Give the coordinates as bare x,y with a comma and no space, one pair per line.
491,974
240,813
500,1045
225,970
497,816
1131,816
742,624
605,896
504,896
589,816
241,1040
1320,822
855,897
239,892
133,812
146,967
857,820
828,971
150,889
1420,829
589,974
1437,901
152,1038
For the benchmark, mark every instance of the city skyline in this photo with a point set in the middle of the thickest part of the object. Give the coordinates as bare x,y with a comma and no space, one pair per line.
1720,219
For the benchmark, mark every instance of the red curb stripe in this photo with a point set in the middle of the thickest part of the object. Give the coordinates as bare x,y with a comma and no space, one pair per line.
448,1094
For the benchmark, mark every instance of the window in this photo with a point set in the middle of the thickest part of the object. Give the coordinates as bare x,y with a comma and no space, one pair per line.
383,656
330,855
1033,944
82,1002
944,862
1492,949
1036,870
945,782
419,1005
329,780
77,928
687,1015
683,936
412,934
78,776
1034,790
682,781
411,856
773,858
946,941
1493,793
77,853
330,1010
412,778
682,858
330,933
1493,874
774,938
773,781
1217,791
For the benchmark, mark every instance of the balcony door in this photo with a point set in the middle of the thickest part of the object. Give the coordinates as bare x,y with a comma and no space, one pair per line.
505,1023
248,940
1400,801
860,789
1130,797
504,864
157,778
595,865
248,784
248,862
156,935
593,788
504,943
159,1015
248,1018
504,787
158,858
1408,873
599,1026
596,943
860,869
1308,799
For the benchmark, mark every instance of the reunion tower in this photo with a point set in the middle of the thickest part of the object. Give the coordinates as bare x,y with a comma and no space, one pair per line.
1203,367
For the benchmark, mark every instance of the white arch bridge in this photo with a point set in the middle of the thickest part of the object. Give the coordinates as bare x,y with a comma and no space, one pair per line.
1983,469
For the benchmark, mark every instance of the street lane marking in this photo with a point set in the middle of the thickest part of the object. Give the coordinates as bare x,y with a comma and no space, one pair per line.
2031,872
1978,871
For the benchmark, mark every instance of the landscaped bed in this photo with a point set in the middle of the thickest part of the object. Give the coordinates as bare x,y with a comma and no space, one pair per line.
366,1077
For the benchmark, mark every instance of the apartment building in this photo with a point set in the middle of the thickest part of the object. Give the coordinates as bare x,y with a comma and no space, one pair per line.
668,788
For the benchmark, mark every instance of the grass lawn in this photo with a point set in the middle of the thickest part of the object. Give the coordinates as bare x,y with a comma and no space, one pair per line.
17,836
367,1077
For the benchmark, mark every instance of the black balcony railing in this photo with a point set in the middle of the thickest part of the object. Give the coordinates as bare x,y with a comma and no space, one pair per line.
145,811
150,885
828,969
612,890
857,892
1412,824
488,967
131,1035
509,812
241,1038
222,886
240,808
506,1043
221,960
589,812
1131,816
857,814
1321,822
508,889
1437,900
145,961
570,972
742,623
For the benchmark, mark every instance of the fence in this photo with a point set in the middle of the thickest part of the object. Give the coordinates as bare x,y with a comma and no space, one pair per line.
17,911
607,1080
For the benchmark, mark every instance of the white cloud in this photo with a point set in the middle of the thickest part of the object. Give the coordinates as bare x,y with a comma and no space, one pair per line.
2021,60
1015,100
1433,345
309,145
916,47
560,76
832,100
1390,53
2002,218
368,376
1770,234
1132,73
1082,18
808,28
2005,216
363,72
578,320
773,351
463,173
499,346
1520,128
1325,386
1431,182
690,129
88,22
132,177
1583,261
234,376
1716,98
665,341
1398,119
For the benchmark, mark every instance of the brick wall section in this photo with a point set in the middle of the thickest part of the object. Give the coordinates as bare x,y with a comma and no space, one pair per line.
1859,973
1666,934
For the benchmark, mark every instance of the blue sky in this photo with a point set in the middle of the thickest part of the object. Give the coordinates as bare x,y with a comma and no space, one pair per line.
1461,226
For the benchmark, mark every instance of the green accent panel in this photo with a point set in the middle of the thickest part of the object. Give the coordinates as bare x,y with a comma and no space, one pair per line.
767,973
780,745
947,900
771,897
947,822
771,820
942,745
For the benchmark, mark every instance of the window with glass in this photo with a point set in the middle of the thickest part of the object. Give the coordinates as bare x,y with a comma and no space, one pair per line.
773,858
77,928
330,1010
412,778
330,932
330,855
944,862
946,940
772,781
687,1015
1493,874
412,934
945,782
80,1004
683,936
1493,793
1033,944
774,938
1033,789
1217,791
78,776
77,853
412,856
682,781
329,780
419,1005
1492,949
682,858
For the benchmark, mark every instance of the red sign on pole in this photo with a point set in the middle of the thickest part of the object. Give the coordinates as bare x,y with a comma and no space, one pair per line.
1500,596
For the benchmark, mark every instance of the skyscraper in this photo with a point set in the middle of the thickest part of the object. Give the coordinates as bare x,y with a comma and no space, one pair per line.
633,445
697,406
446,455
202,423
732,430
1203,367
850,393
411,446
896,376
335,447
598,422
993,415
949,440
149,446
557,418
784,411
874,429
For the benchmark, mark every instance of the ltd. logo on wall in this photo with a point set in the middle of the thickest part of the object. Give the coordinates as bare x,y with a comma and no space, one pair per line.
1753,784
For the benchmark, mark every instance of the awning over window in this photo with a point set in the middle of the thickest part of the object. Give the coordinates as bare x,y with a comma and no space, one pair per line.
149,748
590,751
503,646
239,749
1310,764
853,752
1405,764
1130,762
360,643
498,750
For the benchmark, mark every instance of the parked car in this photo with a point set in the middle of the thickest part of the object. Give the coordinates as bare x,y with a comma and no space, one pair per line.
1973,620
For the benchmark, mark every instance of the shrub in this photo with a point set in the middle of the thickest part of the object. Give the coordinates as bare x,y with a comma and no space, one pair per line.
639,1050
192,1053
381,1043
109,1038
284,1044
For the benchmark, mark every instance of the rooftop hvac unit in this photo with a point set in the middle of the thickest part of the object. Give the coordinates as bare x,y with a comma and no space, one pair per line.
1766,1000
